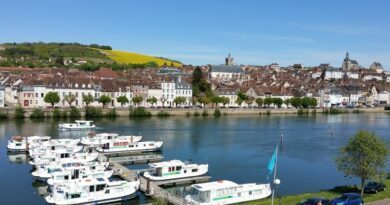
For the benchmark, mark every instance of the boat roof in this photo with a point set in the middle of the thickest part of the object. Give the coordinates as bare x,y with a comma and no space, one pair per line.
167,163
83,121
107,134
222,184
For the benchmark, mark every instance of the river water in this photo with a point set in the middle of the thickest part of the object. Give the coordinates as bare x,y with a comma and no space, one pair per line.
236,148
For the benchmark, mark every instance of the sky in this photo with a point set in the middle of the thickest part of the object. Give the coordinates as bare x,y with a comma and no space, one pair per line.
204,31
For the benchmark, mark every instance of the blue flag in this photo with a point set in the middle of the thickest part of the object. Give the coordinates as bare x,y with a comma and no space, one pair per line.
272,161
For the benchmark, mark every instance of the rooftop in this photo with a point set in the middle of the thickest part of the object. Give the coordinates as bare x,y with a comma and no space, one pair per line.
222,184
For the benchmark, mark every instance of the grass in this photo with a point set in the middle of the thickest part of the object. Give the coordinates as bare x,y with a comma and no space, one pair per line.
332,193
135,58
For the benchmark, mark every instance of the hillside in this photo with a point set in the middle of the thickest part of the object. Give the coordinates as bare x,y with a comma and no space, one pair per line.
75,55
135,58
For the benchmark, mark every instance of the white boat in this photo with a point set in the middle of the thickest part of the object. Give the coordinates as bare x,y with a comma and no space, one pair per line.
65,157
226,192
79,172
102,138
53,146
78,125
175,169
22,144
93,191
45,172
118,146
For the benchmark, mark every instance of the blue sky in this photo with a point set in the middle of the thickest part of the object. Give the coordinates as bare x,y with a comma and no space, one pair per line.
205,31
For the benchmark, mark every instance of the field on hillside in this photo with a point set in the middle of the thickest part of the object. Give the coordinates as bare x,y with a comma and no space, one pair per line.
135,58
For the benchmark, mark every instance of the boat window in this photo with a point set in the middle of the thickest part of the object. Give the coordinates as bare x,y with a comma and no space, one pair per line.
131,146
107,191
250,192
91,188
239,194
73,196
100,187
18,144
194,170
178,168
185,171
66,177
169,169
52,148
151,144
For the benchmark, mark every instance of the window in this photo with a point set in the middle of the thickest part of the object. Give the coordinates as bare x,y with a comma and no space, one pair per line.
36,95
194,170
91,188
41,95
107,191
250,192
100,187
73,196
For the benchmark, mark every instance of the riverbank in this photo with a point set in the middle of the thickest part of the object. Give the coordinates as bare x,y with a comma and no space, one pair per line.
329,194
164,112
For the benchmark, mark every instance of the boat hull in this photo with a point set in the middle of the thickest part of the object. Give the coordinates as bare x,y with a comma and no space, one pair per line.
102,201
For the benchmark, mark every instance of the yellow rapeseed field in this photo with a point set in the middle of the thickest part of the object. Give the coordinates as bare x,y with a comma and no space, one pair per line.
129,57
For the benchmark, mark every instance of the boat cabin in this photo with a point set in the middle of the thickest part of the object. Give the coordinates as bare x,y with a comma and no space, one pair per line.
168,168
213,191
83,123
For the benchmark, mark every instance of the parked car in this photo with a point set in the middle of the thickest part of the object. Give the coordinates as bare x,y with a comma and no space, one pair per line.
314,201
348,199
374,187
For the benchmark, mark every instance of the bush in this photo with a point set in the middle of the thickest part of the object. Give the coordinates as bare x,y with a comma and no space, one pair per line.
93,112
56,113
196,114
268,112
111,113
205,113
37,113
188,114
139,112
74,113
3,115
163,114
64,114
19,112
217,113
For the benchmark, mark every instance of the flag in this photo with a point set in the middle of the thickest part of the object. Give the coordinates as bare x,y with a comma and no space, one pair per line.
272,161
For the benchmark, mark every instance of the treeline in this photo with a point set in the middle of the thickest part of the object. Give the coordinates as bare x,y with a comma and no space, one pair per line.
90,66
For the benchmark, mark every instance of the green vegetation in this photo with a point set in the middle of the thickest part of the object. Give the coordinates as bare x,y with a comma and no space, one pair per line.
3,115
122,100
188,114
52,98
56,113
152,101
88,99
37,113
70,99
162,114
196,114
19,112
93,112
259,102
74,113
139,112
217,113
179,100
241,97
201,89
364,156
111,113
104,100
137,100
205,113
64,114
333,111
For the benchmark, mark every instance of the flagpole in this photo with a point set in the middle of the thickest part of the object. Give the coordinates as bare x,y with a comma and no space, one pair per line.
273,182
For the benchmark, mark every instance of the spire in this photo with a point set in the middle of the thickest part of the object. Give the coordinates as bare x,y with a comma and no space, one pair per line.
346,56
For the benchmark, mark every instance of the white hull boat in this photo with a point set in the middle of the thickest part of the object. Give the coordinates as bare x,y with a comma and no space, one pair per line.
53,146
78,125
174,169
66,157
18,144
226,192
76,174
49,154
93,191
123,146
103,138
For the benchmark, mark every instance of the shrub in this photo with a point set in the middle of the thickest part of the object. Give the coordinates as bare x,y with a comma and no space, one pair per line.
163,114
19,112
217,113
3,115
188,114
56,113
196,114
37,113
268,112
93,112
74,113
64,114
139,112
205,113
111,113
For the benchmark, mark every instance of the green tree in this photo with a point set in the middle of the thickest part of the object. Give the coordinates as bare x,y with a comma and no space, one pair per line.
197,76
137,100
52,98
305,102
104,100
278,102
249,100
87,99
259,102
224,100
268,101
204,100
70,99
239,101
179,100
163,100
296,102
122,100
313,102
215,100
287,102
152,100
364,156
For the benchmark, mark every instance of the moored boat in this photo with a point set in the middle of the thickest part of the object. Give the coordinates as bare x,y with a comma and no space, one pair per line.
102,138
19,144
174,169
226,192
64,157
123,146
93,191
78,125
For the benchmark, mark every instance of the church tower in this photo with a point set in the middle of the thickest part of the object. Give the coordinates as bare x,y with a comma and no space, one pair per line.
346,62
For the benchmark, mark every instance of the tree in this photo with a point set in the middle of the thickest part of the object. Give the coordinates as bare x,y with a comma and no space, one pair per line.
215,100
364,156
163,100
179,100
204,100
313,102
278,102
268,101
152,100
249,101
287,102
137,100
296,102
104,100
70,99
122,100
259,102
52,98
305,102
196,76
87,99
224,100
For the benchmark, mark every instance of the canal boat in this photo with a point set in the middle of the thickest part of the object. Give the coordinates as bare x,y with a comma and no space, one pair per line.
102,138
93,191
64,157
226,192
19,144
45,172
174,169
123,146
78,125
53,146
77,172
